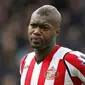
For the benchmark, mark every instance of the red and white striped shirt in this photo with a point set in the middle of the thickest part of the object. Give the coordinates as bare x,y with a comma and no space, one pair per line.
52,70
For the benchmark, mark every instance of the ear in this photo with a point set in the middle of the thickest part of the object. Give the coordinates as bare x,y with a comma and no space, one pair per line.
57,31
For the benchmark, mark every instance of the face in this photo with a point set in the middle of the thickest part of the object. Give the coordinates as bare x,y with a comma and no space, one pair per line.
41,31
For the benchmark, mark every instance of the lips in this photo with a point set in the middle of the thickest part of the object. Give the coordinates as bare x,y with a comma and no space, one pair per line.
36,39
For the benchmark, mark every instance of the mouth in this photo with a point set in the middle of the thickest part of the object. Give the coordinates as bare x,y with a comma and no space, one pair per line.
36,40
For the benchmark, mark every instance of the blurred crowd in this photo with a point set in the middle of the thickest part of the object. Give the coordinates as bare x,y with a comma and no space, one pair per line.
14,20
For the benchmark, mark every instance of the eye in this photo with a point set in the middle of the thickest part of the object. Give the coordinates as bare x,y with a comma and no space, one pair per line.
33,25
45,28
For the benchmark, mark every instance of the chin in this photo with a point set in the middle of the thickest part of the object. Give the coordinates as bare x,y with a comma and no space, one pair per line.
37,46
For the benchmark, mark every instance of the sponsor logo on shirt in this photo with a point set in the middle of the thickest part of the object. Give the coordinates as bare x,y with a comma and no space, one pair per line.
82,58
51,73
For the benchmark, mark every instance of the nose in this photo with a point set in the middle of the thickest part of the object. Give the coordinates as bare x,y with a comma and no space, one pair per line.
37,31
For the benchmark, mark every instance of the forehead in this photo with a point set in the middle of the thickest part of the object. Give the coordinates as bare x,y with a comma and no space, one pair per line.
36,18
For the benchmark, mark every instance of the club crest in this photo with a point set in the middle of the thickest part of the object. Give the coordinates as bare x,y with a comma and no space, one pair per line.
51,73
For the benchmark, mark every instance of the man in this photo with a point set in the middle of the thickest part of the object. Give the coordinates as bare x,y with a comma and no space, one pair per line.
50,64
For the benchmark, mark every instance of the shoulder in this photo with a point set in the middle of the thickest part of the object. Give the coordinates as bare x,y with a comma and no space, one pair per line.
23,60
26,56
75,58
74,55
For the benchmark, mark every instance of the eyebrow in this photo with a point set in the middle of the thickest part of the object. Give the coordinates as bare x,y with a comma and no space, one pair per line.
40,24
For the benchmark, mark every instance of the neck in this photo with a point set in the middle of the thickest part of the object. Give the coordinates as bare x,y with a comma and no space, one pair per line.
42,53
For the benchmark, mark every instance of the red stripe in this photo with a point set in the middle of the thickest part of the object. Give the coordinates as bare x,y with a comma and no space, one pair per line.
45,66
76,81
29,72
59,80
22,63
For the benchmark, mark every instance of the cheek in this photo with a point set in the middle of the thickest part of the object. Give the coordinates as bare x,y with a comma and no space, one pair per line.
29,35
29,31
48,36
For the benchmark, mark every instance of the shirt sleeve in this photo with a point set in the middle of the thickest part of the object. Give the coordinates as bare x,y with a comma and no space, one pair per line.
76,64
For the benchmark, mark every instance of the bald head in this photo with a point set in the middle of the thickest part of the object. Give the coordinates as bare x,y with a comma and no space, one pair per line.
49,11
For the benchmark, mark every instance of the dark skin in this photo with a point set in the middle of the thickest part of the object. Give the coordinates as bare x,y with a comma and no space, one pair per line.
42,32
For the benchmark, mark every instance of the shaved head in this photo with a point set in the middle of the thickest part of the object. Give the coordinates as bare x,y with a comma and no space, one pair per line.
45,25
49,11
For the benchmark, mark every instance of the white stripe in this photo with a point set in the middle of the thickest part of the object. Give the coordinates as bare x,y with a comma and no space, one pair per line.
20,68
55,60
28,61
77,53
35,74
72,69
67,80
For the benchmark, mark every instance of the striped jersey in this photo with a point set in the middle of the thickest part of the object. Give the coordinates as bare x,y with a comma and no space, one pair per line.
61,67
